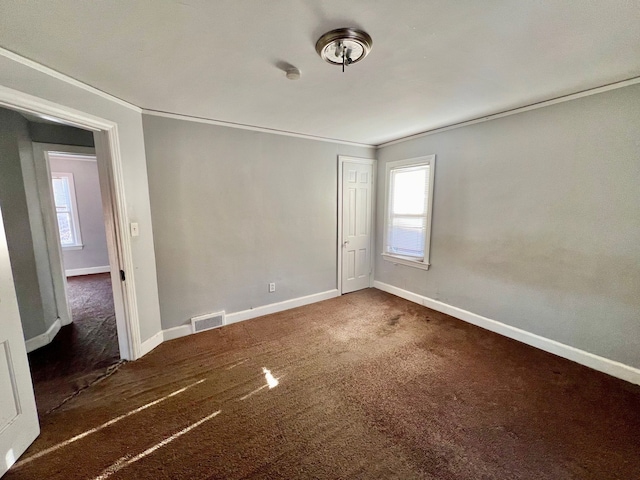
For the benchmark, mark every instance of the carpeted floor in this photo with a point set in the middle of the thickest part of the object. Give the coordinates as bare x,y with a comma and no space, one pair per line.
82,351
369,386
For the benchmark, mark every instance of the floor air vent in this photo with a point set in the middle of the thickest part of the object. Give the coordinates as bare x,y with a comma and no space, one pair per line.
207,322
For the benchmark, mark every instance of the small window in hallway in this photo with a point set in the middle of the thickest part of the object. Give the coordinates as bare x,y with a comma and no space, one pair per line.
66,210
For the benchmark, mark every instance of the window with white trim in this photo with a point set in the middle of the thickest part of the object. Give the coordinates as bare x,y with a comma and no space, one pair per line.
64,197
409,205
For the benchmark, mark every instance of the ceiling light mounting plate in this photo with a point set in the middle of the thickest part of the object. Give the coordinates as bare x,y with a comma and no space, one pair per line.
344,46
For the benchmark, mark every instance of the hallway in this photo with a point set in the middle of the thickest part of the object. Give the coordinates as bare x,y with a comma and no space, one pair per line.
82,351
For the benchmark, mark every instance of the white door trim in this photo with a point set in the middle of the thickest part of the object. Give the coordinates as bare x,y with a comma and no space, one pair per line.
366,161
112,186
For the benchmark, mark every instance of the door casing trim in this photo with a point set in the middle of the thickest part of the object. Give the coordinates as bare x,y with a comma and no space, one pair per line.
107,145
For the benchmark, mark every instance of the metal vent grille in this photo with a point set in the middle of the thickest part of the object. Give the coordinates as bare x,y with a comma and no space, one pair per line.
207,322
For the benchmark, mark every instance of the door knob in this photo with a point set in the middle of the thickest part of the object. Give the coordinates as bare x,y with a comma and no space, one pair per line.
346,242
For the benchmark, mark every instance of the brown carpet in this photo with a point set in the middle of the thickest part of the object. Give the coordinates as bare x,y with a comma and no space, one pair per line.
370,387
81,352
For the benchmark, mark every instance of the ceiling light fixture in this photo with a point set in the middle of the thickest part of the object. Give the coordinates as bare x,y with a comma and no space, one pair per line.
344,46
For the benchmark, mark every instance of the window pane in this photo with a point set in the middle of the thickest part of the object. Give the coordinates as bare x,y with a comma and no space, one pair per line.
406,236
61,193
64,225
409,187
406,224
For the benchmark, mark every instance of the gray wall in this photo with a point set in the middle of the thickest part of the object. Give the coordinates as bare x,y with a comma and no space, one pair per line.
536,222
24,227
234,210
87,185
62,134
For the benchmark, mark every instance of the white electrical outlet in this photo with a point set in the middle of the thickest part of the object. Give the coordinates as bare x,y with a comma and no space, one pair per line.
272,287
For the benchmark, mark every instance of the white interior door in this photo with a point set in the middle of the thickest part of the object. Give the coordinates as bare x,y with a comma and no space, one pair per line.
357,206
18,416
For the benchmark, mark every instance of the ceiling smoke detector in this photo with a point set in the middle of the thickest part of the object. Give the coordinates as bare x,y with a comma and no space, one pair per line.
344,46
293,73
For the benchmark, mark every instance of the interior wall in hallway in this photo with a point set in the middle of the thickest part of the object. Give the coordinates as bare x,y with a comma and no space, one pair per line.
24,227
60,134
94,251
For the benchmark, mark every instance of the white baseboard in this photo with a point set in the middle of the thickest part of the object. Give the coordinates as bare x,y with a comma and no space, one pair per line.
44,338
151,343
602,364
177,332
184,330
280,306
74,272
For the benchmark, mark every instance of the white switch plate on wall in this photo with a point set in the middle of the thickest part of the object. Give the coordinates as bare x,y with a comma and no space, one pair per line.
135,231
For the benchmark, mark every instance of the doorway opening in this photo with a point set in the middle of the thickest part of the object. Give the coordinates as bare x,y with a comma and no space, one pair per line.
86,347
20,425
78,319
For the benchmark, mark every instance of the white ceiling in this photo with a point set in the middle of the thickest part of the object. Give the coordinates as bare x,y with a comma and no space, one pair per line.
433,63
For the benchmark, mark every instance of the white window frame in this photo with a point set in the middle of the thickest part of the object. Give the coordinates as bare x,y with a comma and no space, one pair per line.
423,264
75,219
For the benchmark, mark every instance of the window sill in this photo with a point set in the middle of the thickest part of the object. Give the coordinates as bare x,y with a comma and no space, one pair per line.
404,261
73,247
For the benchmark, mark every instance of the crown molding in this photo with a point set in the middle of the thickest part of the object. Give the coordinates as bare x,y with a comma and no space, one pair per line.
526,108
77,83
65,78
242,126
